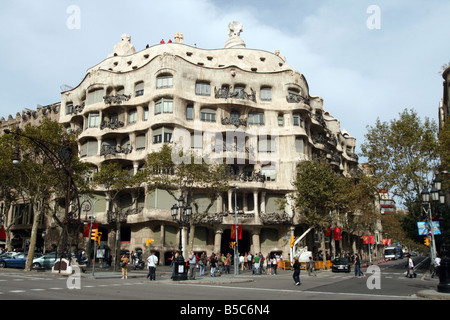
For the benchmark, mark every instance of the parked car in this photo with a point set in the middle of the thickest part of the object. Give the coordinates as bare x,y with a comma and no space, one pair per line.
47,261
340,265
9,254
16,261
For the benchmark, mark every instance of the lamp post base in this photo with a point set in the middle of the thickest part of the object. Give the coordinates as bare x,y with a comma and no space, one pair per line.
180,273
444,276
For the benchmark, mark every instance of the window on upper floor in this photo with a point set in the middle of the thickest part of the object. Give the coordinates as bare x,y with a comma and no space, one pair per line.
208,115
164,105
95,96
93,120
196,140
269,172
256,118
140,142
202,89
266,145
299,145
164,81
190,112
280,120
266,94
69,108
132,116
162,134
297,120
89,148
139,89
145,115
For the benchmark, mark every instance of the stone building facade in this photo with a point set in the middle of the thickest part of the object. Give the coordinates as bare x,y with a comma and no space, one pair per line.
245,106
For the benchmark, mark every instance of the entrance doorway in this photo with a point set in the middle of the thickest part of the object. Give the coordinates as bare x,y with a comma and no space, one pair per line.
243,244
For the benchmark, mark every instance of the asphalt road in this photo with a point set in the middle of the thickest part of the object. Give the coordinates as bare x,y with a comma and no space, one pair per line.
389,283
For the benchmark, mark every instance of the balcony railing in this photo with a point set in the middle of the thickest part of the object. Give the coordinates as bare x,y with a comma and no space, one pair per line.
114,150
118,99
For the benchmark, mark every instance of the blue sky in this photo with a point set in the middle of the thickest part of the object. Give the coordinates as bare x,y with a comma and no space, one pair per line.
361,73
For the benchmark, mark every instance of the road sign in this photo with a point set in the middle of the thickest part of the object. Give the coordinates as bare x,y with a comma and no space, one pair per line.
424,229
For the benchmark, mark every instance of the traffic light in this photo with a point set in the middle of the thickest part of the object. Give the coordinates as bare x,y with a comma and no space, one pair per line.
94,234
426,241
292,241
232,244
99,237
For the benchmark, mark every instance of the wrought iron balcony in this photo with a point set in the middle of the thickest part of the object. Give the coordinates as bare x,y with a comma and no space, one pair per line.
113,150
118,99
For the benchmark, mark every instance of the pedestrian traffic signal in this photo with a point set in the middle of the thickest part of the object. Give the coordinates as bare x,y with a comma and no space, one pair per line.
426,242
292,241
94,234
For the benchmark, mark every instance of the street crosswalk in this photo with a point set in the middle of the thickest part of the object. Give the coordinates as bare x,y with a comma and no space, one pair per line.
42,283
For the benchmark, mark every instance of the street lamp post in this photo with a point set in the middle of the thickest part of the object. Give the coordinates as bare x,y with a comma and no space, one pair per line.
236,252
444,267
427,209
438,196
181,215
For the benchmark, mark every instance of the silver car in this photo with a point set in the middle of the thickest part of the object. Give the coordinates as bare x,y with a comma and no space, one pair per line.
47,261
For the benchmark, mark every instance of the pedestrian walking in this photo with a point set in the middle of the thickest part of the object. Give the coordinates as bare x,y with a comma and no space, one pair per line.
255,264
124,266
192,265
152,261
202,263
274,265
311,267
249,261
269,264
296,274
172,263
213,264
357,264
410,272
241,262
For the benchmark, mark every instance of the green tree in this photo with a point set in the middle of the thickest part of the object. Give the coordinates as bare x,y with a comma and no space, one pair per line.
318,194
47,158
115,180
402,153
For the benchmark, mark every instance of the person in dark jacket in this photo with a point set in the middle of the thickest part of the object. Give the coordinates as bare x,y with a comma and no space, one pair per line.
296,274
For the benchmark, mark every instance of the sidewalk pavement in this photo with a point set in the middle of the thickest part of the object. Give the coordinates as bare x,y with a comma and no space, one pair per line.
163,274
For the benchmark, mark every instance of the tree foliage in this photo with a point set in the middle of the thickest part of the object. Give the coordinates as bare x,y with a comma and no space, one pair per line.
47,156
402,152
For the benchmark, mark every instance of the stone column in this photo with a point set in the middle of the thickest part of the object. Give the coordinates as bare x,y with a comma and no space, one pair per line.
230,200
218,240
263,202
256,242
255,201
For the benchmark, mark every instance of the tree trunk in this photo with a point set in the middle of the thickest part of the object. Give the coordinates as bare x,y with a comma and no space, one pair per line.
324,252
34,231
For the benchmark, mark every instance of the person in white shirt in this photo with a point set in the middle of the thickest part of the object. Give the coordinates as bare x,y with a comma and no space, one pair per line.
152,261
